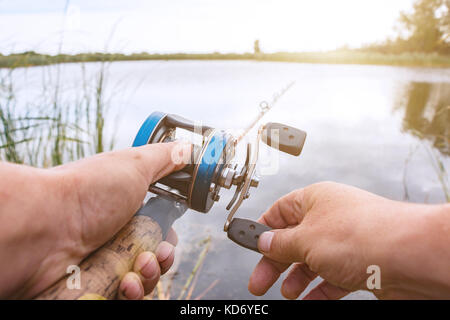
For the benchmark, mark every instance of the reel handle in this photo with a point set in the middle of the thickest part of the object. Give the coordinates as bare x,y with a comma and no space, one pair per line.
102,271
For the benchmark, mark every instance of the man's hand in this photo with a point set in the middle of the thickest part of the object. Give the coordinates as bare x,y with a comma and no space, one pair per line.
53,218
148,267
336,232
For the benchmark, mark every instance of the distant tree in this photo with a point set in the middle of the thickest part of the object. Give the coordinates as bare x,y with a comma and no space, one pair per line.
256,48
427,26
446,23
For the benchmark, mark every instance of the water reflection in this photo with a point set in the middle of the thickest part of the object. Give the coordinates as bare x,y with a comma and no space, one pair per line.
427,113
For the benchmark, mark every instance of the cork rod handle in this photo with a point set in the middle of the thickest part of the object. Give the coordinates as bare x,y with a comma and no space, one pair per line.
101,272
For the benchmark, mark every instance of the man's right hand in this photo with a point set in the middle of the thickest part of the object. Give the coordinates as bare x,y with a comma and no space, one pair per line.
336,232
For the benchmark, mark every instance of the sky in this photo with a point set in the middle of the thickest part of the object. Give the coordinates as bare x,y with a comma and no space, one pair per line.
194,25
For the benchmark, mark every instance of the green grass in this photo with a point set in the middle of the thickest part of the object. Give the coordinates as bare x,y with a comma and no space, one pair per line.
332,57
49,131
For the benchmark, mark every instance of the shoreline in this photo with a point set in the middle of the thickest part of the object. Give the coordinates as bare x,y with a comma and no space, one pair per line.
429,60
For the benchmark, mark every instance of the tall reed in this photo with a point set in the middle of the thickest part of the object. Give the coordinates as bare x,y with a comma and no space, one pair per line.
48,129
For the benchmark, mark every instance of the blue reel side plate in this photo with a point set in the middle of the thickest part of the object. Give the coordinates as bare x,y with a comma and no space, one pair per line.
211,163
147,129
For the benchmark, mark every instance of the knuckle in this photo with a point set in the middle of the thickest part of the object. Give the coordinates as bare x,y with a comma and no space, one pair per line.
166,150
324,185
318,192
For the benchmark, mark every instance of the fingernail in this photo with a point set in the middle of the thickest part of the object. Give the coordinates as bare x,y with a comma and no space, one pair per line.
163,251
147,266
181,153
131,289
265,239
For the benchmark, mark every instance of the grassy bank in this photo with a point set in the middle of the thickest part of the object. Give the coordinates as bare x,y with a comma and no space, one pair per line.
332,57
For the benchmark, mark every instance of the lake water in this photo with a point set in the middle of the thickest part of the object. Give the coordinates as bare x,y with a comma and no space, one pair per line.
369,126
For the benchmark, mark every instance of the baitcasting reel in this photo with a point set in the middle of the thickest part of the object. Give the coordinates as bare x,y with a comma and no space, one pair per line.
211,168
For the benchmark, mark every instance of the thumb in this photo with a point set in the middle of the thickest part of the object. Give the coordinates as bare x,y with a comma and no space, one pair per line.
282,245
158,160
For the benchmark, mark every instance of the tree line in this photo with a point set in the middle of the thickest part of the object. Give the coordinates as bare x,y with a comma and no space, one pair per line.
425,29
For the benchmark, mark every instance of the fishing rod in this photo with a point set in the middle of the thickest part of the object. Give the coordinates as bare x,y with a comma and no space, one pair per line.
264,108
196,187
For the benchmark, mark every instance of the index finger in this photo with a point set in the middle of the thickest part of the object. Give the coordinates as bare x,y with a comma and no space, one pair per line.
286,211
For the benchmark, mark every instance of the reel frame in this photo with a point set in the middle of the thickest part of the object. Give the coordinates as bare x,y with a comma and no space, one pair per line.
198,181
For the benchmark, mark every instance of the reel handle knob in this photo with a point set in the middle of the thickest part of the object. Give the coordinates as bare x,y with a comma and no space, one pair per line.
284,138
246,232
